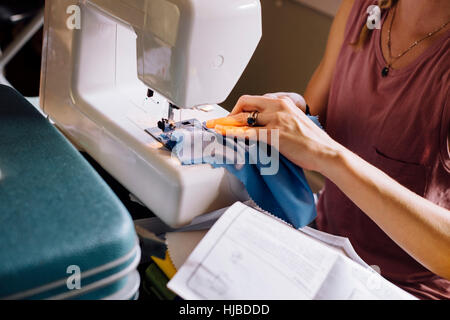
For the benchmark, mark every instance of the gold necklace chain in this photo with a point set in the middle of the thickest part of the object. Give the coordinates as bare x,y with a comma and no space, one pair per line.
392,59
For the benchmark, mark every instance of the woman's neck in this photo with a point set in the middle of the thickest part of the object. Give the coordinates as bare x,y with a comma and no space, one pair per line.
422,16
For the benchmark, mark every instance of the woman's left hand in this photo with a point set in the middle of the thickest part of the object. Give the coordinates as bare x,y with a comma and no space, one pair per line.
300,139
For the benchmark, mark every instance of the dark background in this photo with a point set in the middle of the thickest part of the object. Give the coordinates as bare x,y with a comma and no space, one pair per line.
23,72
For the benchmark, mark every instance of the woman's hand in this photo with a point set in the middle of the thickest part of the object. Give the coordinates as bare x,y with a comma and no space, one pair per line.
300,140
297,99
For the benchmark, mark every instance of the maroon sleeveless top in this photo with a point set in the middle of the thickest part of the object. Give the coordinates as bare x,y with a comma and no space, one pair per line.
400,125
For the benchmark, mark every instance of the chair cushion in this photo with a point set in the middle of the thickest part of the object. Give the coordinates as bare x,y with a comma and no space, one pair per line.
55,210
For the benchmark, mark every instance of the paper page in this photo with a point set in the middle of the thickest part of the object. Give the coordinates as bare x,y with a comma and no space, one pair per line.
248,255
340,243
350,281
243,250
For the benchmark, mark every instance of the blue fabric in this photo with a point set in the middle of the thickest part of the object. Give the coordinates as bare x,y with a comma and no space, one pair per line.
285,194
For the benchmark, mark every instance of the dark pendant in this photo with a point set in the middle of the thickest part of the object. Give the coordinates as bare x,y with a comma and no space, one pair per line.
385,72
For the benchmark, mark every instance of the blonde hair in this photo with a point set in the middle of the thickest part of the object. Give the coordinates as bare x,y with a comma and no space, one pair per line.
364,34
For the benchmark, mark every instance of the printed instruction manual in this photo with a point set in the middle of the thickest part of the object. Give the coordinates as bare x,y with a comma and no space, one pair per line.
250,255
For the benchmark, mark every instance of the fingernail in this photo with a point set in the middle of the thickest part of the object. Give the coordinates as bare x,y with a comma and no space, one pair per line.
210,124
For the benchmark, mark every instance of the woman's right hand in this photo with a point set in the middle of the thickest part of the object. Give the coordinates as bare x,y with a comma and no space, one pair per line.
297,99
295,135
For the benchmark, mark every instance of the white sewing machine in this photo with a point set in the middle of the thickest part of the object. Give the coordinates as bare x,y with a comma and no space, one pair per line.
95,83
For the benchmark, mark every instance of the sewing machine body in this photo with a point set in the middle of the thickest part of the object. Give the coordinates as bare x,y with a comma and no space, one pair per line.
95,79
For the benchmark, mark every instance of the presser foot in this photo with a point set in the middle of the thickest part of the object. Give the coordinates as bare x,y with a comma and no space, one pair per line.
163,133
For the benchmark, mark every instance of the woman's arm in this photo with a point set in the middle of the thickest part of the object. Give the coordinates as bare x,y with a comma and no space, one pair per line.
317,92
417,225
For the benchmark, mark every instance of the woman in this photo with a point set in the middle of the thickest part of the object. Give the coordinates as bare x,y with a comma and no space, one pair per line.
383,97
